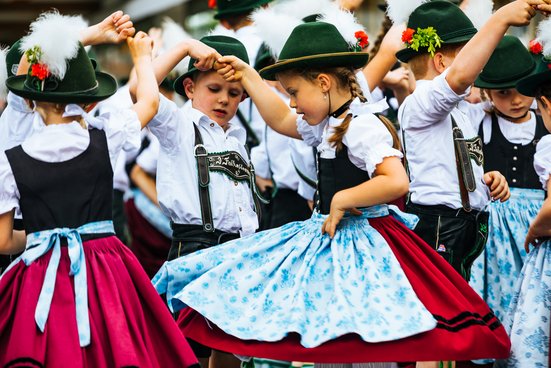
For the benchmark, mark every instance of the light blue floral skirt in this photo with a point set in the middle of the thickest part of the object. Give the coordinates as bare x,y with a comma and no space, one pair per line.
294,279
495,272
530,309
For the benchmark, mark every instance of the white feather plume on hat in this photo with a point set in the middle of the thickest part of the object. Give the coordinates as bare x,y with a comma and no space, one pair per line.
479,11
302,8
274,28
400,10
3,72
173,34
58,37
343,20
544,37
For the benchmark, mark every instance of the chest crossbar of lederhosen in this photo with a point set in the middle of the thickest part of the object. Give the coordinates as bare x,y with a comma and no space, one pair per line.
464,150
230,163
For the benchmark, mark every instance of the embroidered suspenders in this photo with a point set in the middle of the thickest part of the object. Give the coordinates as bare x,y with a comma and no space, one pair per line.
229,163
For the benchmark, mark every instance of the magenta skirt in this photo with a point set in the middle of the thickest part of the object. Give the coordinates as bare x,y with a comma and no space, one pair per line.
129,324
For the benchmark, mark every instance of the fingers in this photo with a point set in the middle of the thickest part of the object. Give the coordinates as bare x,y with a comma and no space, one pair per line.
122,20
527,243
116,16
355,211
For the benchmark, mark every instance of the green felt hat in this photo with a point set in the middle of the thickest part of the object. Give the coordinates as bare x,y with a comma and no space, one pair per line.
264,57
224,45
509,63
315,44
448,20
225,8
541,75
81,83
13,57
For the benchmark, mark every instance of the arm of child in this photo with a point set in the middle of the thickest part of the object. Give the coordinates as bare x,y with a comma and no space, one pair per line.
11,241
473,57
147,89
499,189
113,29
541,227
271,107
145,183
385,58
389,183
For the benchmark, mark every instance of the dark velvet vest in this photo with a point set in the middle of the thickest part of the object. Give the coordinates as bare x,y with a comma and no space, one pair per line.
335,175
65,194
515,161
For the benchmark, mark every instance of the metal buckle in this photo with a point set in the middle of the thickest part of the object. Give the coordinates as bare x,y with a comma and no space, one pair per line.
199,146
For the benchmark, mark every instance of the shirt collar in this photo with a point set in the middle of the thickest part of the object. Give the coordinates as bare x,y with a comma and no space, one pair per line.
201,119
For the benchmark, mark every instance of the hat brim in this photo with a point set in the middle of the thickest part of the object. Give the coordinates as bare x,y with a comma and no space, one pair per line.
355,60
406,54
528,85
107,86
508,84
240,10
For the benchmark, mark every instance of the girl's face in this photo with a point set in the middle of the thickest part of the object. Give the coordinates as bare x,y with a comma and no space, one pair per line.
511,103
214,97
544,105
307,97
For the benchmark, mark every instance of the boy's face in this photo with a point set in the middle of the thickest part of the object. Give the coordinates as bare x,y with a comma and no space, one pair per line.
306,97
214,96
510,103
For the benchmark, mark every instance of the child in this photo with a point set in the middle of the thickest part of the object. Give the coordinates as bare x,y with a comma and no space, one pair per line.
205,183
449,189
528,318
509,132
91,301
369,291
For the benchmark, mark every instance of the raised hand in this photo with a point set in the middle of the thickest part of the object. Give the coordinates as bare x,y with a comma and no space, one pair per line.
519,12
231,68
140,46
114,29
204,55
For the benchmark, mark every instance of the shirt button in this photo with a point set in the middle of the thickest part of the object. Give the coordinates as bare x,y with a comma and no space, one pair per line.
514,180
515,147
514,169
235,183
514,158
212,124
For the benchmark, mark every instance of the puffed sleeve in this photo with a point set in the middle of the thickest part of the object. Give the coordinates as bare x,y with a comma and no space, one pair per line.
369,142
311,134
9,194
542,160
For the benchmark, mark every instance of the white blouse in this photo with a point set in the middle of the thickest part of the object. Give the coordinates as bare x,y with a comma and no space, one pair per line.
367,139
62,142
17,122
542,160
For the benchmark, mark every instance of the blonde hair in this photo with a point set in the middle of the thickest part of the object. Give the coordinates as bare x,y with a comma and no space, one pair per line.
346,79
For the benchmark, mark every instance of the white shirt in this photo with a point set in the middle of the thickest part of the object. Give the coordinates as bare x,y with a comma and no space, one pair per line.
517,133
367,139
427,127
177,177
148,158
62,142
542,160
17,122
304,158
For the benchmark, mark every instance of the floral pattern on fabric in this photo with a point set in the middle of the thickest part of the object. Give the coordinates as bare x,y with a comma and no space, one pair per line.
294,279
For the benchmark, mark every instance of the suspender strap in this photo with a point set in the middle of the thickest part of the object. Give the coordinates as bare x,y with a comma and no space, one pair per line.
465,172
201,155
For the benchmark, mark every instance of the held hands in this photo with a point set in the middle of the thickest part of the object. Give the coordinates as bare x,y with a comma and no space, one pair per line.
114,29
499,189
140,46
231,68
520,12
545,9
204,55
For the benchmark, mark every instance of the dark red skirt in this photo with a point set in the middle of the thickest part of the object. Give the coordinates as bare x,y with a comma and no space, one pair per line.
467,329
129,323
148,244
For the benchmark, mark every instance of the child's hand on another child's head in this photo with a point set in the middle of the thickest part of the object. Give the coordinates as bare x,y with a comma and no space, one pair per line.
519,12
204,55
140,45
499,189
231,68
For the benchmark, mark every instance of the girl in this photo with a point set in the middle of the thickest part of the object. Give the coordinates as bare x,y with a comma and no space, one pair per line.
371,291
510,132
528,318
91,301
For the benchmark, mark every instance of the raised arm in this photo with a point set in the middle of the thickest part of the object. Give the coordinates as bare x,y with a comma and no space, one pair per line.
473,57
147,89
273,110
114,29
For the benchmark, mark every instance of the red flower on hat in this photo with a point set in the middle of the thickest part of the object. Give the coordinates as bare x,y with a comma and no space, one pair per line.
40,71
407,35
535,47
212,4
363,39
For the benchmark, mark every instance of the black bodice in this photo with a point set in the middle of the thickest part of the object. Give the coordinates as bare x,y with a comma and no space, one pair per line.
335,175
514,161
64,194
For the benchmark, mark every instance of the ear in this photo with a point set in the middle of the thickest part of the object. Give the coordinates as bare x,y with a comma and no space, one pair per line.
325,82
439,62
546,104
189,87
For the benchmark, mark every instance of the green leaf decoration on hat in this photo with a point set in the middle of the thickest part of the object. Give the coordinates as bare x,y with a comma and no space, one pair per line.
423,37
